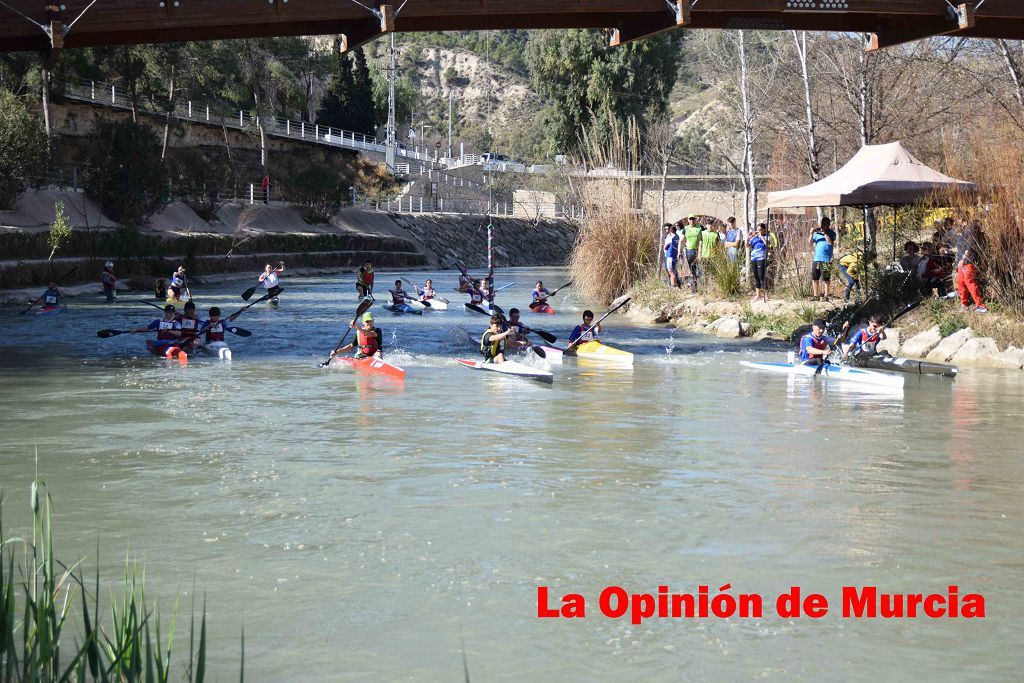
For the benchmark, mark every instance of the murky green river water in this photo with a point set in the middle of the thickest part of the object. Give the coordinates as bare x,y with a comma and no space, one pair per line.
359,528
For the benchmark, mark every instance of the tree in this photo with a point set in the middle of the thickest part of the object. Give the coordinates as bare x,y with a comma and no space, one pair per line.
317,191
60,229
587,85
363,117
124,171
201,178
336,109
22,148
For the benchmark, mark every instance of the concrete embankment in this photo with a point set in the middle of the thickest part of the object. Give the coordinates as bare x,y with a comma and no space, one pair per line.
242,238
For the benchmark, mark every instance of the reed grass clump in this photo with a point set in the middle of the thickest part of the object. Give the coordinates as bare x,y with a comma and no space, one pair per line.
50,625
617,240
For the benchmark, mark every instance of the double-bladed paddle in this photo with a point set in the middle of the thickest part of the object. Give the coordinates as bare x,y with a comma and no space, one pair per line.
58,281
537,304
536,349
909,307
405,298
363,306
571,348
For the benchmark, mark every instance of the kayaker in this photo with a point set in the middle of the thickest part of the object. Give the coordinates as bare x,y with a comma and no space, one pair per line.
214,328
465,282
427,293
487,289
399,295
518,339
269,278
585,332
493,341
540,295
52,296
866,338
167,329
109,282
176,284
368,340
815,346
364,282
476,293
190,325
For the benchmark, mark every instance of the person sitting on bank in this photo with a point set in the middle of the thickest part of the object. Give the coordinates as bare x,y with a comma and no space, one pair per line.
493,341
911,258
931,271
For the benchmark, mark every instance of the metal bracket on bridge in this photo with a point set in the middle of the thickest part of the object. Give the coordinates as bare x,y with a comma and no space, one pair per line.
962,14
680,11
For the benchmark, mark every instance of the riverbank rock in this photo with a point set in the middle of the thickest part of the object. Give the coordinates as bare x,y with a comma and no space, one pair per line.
948,347
891,343
726,328
920,344
978,351
1012,358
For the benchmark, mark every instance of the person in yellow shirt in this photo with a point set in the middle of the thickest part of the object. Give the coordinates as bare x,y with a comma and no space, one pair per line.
850,267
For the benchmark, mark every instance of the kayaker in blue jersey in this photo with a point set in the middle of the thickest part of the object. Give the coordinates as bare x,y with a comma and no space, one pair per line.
540,294
493,341
176,284
427,293
866,338
52,296
214,328
585,332
190,326
369,339
815,346
167,328
476,293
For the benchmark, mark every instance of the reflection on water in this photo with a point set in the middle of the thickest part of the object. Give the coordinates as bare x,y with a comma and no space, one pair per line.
361,525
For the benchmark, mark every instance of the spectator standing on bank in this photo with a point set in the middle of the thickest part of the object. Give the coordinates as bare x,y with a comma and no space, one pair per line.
822,239
692,237
733,240
759,246
266,189
967,252
671,249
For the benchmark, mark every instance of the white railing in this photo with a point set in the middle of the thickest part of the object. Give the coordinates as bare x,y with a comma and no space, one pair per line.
413,205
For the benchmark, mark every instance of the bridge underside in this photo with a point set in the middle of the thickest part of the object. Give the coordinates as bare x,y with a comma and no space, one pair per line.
37,25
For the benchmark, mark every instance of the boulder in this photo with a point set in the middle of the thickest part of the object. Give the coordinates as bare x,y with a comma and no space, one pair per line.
920,344
744,328
1012,358
698,326
950,345
978,351
728,328
891,343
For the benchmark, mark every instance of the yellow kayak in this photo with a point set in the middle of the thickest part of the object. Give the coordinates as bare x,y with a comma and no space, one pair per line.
596,351
177,303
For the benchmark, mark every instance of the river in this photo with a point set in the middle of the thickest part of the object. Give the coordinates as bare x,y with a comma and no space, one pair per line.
361,528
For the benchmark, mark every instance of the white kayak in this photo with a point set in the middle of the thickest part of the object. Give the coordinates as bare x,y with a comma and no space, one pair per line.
217,349
552,355
837,372
412,303
509,367
437,305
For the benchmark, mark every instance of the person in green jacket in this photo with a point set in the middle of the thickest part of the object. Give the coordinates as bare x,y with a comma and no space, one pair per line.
692,237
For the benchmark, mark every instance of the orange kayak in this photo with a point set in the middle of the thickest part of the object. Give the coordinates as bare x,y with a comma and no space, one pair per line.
370,365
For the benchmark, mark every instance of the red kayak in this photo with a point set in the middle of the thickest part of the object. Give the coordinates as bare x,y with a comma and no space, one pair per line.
169,352
543,308
370,365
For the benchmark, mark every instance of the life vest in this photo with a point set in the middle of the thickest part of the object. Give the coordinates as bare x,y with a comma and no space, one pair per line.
271,280
366,277
165,328
398,296
108,279
816,343
189,327
428,293
492,349
539,294
50,298
476,297
176,282
215,332
368,345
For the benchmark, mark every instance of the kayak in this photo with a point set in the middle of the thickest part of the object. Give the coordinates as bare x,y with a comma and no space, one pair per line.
553,355
543,308
274,303
177,303
403,308
417,305
473,310
911,366
169,352
836,372
217,349
51,310
370,365
437,305
596,351
509,367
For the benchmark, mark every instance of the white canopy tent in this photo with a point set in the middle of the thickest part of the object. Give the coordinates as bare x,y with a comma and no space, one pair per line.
877,175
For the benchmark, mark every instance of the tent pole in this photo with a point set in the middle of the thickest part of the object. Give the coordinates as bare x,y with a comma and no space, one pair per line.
894,215
864,215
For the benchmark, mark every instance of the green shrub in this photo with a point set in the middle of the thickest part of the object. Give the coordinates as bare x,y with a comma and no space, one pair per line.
125,173
23,150
318,192
60,229
200,178
726,275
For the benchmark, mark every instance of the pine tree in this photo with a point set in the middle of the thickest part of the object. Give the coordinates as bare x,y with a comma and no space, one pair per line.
364,119
336,110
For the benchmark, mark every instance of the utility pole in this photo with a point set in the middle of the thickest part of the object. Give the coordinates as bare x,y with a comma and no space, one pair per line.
449,122
390,155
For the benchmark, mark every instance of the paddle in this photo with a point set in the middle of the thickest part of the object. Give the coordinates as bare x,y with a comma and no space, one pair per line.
394,293
107,334
58,281
571,348
909,307
537,304
360,309
420,291
478,309
247,294
536,349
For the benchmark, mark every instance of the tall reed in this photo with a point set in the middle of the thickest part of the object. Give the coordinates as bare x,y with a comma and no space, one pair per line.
38,611
617,239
